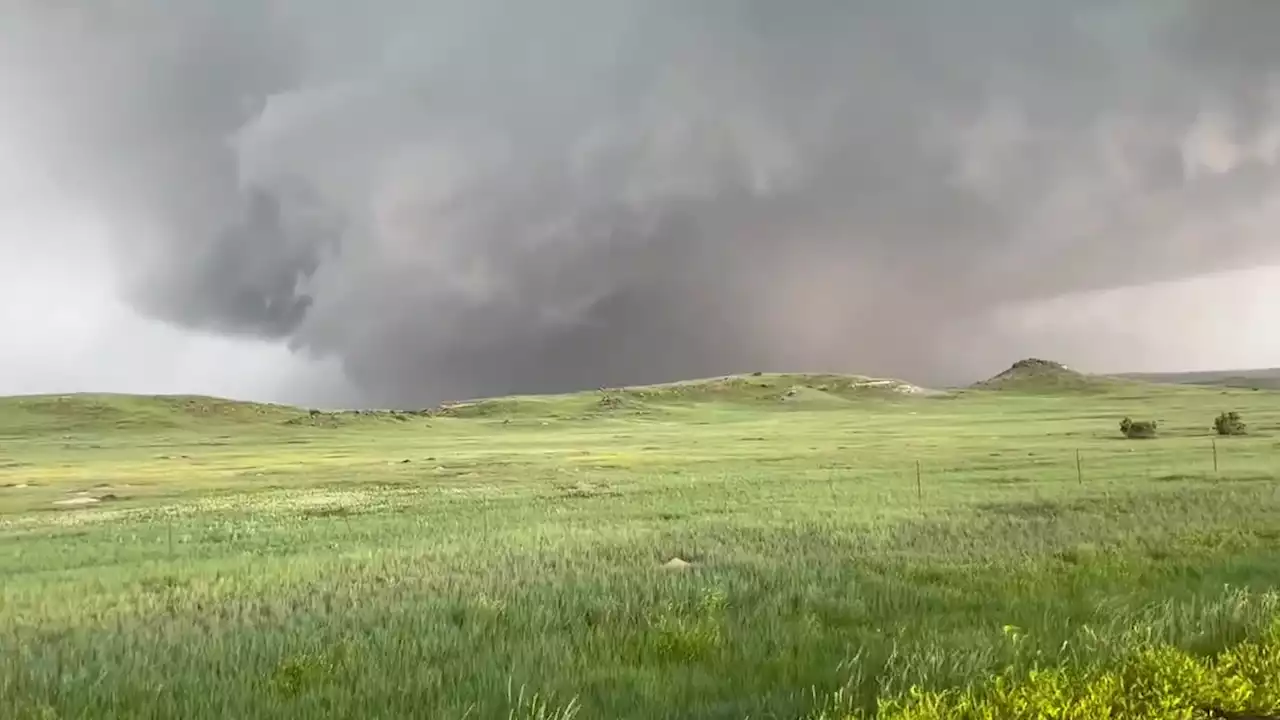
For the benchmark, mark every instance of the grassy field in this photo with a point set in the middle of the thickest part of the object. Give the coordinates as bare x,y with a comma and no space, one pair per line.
840,541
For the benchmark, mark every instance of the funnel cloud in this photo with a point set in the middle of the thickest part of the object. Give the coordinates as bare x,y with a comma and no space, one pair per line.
456,198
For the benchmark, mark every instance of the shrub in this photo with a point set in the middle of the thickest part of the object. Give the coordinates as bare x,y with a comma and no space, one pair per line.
1137,429
1159,682
1229,423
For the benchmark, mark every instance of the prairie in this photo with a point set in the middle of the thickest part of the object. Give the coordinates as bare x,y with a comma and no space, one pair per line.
763,546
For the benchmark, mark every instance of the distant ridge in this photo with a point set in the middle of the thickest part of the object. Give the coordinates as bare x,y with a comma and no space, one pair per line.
96,412
1260,378
99,412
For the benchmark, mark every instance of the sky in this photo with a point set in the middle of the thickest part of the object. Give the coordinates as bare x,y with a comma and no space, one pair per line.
292,201
67,328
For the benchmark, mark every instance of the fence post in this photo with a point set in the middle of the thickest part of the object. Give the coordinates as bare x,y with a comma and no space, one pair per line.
919,486
1215,456
1079,469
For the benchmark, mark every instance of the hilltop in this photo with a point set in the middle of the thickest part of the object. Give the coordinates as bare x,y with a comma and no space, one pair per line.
1035,375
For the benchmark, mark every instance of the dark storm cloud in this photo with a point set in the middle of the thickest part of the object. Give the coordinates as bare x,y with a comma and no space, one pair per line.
461,198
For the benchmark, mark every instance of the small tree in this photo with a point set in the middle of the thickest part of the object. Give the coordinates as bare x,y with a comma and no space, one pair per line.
1138,429
1229,423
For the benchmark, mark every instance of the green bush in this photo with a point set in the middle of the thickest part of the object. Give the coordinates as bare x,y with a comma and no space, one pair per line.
1229,423
1138,429
1159,683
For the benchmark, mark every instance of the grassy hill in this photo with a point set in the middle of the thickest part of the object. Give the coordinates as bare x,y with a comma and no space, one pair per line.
1044,377
39,414
755,391
840,540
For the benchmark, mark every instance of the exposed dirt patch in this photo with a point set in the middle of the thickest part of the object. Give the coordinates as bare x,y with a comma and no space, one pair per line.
78,501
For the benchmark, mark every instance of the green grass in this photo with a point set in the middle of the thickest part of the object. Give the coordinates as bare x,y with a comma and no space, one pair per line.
504,558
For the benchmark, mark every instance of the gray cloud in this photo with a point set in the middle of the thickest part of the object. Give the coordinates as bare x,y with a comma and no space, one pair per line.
458,198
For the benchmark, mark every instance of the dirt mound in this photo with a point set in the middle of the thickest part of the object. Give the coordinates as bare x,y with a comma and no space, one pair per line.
1037,375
